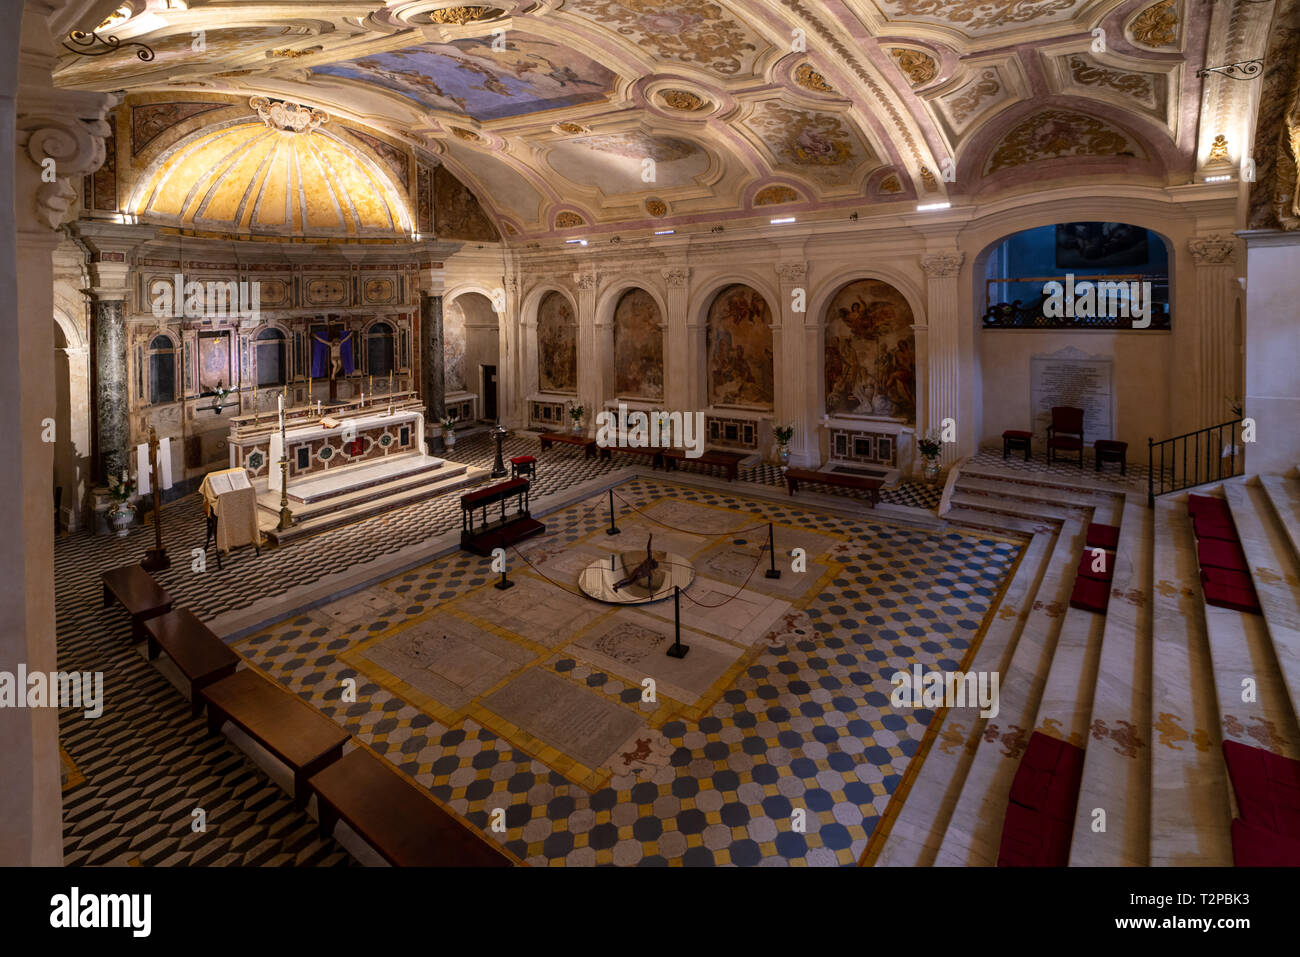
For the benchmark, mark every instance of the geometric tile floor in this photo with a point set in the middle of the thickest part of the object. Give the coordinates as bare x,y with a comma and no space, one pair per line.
796,723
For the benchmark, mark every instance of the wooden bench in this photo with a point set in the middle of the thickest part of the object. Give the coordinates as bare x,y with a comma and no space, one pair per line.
587,445
871,486
653,452
200,655
395,817
673,459
292,730
140,595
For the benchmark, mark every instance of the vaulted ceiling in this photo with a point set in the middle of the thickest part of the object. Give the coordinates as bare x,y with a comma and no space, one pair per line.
582,116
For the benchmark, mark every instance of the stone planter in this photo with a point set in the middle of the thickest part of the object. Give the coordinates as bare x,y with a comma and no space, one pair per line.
448,438
121,517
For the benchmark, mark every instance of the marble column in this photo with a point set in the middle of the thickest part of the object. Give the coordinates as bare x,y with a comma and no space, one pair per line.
435,391
792,392
679,383
944,381
591,361
1218,359
112,428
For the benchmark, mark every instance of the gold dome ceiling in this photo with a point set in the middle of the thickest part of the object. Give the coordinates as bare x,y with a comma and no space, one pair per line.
286,177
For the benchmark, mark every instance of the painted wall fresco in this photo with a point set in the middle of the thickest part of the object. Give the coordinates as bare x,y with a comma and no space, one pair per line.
870,352
557,345
820,145
638,346
457,213
453,348
467,76
740,349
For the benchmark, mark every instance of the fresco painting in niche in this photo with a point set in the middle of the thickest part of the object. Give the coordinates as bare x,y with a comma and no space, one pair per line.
870,353
638,346
557,345
453,348
740,349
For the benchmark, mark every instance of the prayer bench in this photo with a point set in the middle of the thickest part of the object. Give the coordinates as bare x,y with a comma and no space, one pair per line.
200,655
292,730
140,595
587,445
871,486
673,459
395,817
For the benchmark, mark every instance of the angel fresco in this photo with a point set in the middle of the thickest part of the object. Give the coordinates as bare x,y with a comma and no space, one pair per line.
740,349
870,356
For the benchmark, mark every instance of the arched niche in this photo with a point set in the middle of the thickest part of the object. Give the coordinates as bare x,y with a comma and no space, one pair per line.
869,352
471,348
557,344
638,346
738,344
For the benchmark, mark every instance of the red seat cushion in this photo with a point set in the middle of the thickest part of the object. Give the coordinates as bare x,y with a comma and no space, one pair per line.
1266,786
1017,434
1198,504
1087,561
1039,822
1065,442
1103,536
1220,554
1225,596
523,459
1259,847
1030,839
1226,576
1209,525
1089,594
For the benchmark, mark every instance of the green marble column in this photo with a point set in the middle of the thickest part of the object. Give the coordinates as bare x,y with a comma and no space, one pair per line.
111,387
435,388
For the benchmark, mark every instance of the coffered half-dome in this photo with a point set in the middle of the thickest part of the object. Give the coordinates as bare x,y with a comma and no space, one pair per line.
281,175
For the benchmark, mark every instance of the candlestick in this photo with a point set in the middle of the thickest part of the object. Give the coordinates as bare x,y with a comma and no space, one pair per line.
390,381
280,404
372,385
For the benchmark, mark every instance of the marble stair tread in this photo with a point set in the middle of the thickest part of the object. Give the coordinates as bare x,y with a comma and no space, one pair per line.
1017,507
974,829
1066,702
1116,761
1086,479
1191,816
1274,569
976,480
1003,523
1284,494
916,830
415,481
342,481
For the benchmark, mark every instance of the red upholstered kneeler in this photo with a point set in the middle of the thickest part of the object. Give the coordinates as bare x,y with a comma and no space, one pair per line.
1103,536
1207,505
1090,594
1260,847
1207,525
1266,786
1217,554
1087,561
1039,821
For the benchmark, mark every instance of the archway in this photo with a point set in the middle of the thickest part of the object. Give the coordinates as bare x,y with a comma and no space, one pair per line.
557,345
71,423
471,353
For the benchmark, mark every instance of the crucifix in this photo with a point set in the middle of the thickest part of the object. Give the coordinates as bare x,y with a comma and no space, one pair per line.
334,362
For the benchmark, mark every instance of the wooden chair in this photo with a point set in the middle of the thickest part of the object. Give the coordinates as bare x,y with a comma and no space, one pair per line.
1066,432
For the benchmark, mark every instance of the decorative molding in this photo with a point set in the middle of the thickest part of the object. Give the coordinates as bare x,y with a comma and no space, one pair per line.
656,207
1212,250
1157,25
287,116
810,79
77,147
459,16
792,272
776,195
586,280
678,276
682,100
942,265
919,68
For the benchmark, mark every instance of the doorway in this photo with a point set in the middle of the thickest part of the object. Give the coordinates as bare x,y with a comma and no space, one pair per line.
489,379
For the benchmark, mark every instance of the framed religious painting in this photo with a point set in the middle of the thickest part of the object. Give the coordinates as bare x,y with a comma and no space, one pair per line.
214,362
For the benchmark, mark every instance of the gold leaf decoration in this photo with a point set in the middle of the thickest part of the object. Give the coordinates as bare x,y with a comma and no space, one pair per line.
918,67
287,53
1157,25
1052,134
573,128
568,220
467,135
968,100
810,79
1219,152
1139,86
775,196
656,207
459,16
683,100
927,177
891,184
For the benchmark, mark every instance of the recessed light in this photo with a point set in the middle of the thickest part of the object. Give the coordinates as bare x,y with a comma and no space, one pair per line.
783,219
1218,179
575,242
664,232
927,207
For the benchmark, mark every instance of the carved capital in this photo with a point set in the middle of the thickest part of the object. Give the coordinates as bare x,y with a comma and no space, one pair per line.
792,272
677,276
942,265
586,280
1212,250
66,142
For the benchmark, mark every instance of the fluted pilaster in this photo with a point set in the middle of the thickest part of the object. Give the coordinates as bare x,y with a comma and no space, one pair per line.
943,395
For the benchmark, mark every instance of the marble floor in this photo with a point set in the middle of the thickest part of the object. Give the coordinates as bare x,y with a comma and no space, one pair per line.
773,742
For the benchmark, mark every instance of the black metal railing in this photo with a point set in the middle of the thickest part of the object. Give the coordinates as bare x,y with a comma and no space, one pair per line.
1206,455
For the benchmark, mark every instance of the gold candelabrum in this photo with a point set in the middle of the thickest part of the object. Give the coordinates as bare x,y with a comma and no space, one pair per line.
286,516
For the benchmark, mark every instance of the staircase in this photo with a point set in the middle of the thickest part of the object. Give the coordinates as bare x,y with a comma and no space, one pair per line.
1150,689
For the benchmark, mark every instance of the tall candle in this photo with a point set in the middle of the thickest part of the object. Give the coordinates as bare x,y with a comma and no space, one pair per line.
372,385
279,404
390,380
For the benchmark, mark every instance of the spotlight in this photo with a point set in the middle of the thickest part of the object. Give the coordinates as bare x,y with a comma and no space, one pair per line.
927,207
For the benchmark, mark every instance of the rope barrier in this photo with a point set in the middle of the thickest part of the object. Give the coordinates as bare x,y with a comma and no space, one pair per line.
688,531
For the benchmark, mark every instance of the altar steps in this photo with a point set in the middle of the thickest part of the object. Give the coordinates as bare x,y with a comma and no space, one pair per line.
414,468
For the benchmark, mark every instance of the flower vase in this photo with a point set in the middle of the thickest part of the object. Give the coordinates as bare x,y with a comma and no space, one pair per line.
783,453
449,438
121,517
577,426
931,470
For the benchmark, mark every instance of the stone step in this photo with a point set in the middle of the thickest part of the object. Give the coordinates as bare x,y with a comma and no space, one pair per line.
974,828
997,523
914,835
1015,507
1284,495
1190,812
1274,569
339,482
1116,762
975,480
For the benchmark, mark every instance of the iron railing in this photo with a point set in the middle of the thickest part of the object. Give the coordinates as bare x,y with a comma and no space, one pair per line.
1206,455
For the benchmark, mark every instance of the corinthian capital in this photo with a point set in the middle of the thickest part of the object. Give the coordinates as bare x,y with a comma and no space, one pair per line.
942,265
585,280
677,276
1212,250
792,272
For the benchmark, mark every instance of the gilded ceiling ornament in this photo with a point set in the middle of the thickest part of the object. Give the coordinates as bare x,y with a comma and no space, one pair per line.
573,128
287,116
290,54
928,178
891,184
567,220
1137,85
980,14
810,79
459,16
1055,133
918,67
968,100
775,195
467,135
1157,25
1219,152
120,15
656,207
683,100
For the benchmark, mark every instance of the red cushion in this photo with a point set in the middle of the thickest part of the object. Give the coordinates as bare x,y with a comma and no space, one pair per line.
522,459
1209,525
1225,596
1220,554
1017,434
1266,786
1048,777
1103,536
1259,847
1065,442
1226,576
1090,594
1030,839
1086,565
1198,504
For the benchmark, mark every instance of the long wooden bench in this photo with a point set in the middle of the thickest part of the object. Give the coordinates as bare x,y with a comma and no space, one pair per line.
871,486
395,817
673,459
292,730
201,656
140,595
588,445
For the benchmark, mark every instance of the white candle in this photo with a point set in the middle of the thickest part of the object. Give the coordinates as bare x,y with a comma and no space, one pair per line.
280,402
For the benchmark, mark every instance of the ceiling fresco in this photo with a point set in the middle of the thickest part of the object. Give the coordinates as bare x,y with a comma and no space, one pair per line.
550,111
